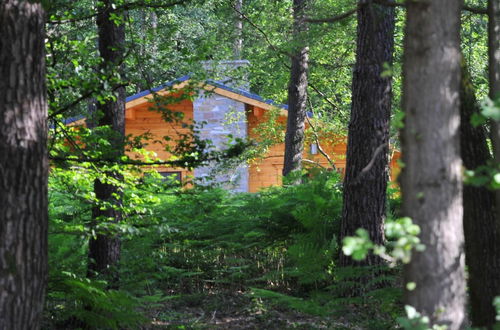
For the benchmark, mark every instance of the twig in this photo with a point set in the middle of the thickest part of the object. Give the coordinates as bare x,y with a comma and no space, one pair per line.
279,51
475,10
264,34
313,162
386,3
316,138
117,161
320,93
125,7
333,19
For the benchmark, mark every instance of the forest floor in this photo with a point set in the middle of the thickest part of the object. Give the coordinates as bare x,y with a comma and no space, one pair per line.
234,310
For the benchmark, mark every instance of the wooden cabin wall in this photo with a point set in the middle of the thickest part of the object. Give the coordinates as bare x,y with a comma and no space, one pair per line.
263,172
267,171
141,119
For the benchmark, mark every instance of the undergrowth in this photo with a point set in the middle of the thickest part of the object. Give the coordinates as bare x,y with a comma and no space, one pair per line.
278,248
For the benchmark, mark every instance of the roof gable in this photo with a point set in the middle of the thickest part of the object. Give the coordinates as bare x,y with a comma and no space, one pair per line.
209,85
216,87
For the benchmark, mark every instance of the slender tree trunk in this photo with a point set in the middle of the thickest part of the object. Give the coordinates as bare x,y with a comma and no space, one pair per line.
365,183
238,30
23,165
479,214
104,249
432,172
297,93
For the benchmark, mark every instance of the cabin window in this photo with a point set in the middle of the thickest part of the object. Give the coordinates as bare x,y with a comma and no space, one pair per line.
172,178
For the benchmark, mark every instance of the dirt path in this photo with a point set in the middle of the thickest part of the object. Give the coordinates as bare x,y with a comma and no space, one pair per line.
233,311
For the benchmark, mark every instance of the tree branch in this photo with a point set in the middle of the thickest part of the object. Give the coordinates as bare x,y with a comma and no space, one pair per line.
304,160
316,138
124,7
475,10
279,51
371,162
386,3
264,34
78,100
333,19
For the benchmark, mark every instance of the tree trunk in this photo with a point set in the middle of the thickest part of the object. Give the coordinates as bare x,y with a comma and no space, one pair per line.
104,249
23,165
297,93
494,82
432,173
365,183
238,30
479,214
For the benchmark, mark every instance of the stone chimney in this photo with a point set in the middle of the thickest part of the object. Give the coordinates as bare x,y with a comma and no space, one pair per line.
233,73
223,117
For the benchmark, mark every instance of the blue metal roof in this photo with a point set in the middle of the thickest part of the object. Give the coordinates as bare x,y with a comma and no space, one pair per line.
157,89
70,120
245,93
211,82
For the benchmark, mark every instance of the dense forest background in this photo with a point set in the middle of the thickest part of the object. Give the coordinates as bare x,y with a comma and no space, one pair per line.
91,238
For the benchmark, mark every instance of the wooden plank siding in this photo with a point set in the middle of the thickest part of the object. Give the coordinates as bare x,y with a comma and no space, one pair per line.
146,120
267,171
263,172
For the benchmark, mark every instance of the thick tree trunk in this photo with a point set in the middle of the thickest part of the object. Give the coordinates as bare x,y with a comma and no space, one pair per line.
494,74
297,93
432,173
365,183
494,82
23,165
104,249
479,214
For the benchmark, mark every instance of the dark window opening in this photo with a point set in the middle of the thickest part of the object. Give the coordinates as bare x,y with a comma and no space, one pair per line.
173,178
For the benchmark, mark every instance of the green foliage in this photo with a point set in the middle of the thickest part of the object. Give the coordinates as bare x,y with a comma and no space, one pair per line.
358,246
497,307
75,301
198,238
415,321
282,300
178,243
402,237
275,237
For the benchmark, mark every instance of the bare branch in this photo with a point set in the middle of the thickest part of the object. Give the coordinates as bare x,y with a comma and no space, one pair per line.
158,5
316,138
264,34
124,7
475,10
114,161
386,3
313,162
78,100
333,19
371,162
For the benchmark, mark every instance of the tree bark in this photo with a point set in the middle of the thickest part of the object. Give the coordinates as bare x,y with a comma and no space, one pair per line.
432,174
479,214
365,183
297,93
104,249
494,93
23,165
